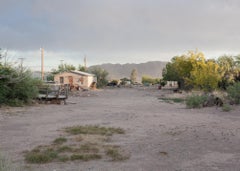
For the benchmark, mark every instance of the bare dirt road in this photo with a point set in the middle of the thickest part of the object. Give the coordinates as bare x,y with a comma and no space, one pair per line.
159,136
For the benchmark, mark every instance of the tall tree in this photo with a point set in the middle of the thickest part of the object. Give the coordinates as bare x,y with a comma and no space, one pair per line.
101,75
82,68
193,70
133,76
227,69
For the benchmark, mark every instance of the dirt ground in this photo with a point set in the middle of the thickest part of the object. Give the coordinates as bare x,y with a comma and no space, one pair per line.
159,136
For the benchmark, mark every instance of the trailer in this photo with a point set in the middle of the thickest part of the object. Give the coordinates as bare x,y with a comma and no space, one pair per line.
53,93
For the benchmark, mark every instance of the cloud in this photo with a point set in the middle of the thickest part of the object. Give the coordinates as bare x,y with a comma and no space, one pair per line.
110,29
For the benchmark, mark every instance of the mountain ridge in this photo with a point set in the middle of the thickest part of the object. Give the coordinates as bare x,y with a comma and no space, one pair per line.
118,71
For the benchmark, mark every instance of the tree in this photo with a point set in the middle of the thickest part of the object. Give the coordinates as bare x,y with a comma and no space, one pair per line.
124,81
17,85
133,76
65,67
101,75
237,69
227,69
205,75
178,70
61,68
192,70
82,68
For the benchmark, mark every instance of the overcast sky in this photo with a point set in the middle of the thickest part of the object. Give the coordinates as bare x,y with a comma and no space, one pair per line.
117,31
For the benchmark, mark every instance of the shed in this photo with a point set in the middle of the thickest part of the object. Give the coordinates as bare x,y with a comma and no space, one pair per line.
75,79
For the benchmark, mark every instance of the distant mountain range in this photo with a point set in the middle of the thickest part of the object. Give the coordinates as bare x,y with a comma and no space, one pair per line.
118,71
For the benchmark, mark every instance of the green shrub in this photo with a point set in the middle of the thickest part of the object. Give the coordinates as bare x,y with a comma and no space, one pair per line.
60,140
195,101
17,86
226,108
40,157
234,92
115,154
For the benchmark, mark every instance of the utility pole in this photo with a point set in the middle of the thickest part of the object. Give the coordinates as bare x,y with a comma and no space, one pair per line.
21,63
42,63
85,62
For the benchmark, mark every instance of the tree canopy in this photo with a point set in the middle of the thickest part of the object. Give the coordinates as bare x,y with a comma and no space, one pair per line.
101,75
193,70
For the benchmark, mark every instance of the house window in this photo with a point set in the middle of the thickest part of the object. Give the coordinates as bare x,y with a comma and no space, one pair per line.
61,80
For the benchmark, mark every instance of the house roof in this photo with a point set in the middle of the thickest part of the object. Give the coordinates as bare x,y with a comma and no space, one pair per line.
77,73
82,73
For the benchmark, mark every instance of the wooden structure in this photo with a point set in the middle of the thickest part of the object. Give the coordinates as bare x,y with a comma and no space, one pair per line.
53,93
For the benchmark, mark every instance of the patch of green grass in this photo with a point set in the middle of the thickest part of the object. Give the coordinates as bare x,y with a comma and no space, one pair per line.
226,107
97,130
85,157
63,158
114,154
40,157
64,149
60,140
88,148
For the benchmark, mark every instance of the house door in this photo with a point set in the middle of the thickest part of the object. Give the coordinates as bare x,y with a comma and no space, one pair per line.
70,80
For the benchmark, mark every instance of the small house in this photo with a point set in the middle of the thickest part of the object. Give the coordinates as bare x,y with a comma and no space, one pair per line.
76,79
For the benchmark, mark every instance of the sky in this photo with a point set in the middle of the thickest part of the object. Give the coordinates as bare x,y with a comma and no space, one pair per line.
116,31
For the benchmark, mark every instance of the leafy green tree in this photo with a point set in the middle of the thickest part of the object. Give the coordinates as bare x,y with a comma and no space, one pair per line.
227,70
205,75
193,70
133,76
178,70
82,68
101,75
17,85
149,80
66,67
237,60
237,69
61,68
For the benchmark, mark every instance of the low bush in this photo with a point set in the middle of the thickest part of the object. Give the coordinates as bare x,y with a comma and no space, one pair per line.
40,157
17,86
115,154
234,92
195,101
226,108
60,140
